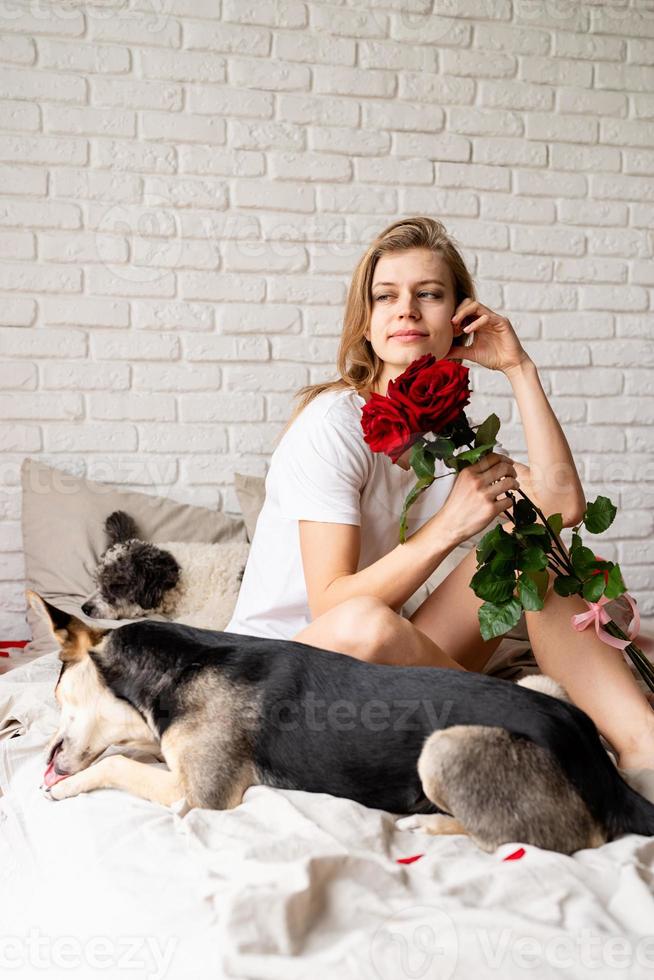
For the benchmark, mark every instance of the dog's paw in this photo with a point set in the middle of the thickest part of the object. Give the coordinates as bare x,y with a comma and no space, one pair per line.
431,823
62,790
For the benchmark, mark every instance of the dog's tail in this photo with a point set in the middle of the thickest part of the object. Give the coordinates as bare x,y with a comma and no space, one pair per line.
119,527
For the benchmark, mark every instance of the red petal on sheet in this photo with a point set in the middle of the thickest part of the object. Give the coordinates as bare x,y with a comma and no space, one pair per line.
410,860
520,853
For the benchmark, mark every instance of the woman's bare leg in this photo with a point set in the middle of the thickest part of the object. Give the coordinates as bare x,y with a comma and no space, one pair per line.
595,676
449,616
365,627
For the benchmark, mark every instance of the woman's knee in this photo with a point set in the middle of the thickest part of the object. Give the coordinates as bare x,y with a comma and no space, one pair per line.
365,625
354,627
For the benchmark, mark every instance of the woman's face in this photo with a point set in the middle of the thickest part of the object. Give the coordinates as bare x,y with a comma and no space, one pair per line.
412,294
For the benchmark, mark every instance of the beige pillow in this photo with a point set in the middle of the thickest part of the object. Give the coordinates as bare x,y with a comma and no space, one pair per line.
63,535
250,493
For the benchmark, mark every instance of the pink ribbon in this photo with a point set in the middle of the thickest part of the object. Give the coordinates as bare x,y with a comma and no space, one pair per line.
596,614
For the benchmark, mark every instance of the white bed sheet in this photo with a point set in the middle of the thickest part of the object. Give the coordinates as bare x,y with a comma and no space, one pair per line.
287,885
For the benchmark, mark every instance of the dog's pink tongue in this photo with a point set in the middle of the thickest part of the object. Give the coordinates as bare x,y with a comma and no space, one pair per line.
51,777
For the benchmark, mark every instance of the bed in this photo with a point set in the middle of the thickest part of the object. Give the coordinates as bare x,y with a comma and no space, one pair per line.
290,884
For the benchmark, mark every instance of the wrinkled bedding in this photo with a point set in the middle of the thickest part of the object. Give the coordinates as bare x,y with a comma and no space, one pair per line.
288,885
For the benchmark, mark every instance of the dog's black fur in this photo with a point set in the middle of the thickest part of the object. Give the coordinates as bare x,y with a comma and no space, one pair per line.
142,581
264,690
120,527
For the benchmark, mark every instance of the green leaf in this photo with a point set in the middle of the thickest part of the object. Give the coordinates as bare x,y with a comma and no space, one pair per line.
486,585
496,619
615,585
421,463
501,567
532,559
487,431
576,541
583,561
411,497
556,523
487,544
468,456
593,588
541,580
599,515
566,585
506,545
528,594
440,447
534,531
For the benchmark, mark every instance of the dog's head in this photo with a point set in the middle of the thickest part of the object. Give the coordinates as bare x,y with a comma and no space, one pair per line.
92,717
133,577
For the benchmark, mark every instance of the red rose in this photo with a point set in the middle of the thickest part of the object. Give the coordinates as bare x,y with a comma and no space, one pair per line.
385,427
432,393
427,397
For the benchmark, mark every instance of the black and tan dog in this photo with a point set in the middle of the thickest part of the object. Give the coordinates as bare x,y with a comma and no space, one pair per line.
471,753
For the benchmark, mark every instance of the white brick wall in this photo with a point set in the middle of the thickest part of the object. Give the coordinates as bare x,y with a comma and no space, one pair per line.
186,186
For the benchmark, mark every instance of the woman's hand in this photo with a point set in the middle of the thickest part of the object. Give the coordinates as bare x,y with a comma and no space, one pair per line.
495,343
475,498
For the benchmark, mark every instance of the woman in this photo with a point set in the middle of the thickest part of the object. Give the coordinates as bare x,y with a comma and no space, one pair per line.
325,567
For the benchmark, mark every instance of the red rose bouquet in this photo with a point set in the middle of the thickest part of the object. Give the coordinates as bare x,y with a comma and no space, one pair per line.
429,396
424,410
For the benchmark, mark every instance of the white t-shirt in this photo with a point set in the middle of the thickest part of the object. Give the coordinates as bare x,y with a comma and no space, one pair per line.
322,470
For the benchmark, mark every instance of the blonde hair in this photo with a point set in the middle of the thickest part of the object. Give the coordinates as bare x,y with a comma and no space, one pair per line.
357,363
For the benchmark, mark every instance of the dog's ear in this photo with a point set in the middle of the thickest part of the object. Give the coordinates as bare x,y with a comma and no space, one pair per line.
74,637
119,527
159,572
